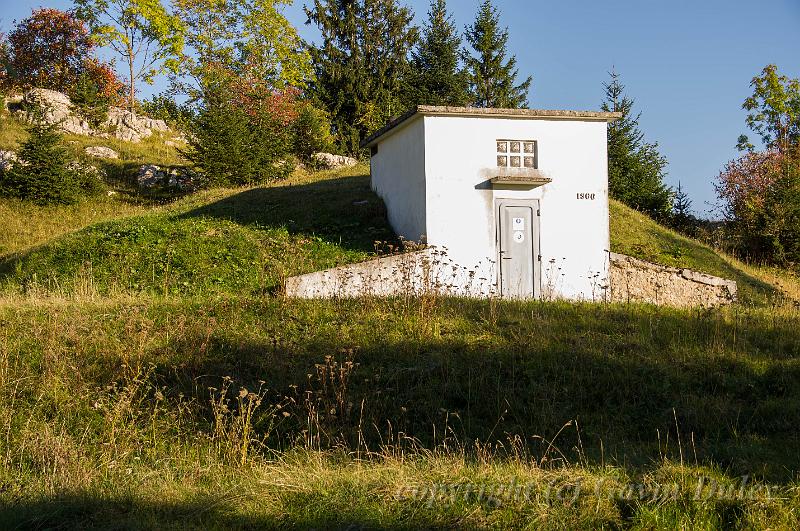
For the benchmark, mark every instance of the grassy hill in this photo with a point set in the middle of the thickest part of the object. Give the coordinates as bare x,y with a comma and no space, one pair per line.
240,241
151,378
635,234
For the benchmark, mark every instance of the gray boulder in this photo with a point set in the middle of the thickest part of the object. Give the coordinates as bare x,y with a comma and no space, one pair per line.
332,162
101,152
151,176
130,126
7,160
56,110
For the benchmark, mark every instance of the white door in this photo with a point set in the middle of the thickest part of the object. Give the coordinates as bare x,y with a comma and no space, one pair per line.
518,241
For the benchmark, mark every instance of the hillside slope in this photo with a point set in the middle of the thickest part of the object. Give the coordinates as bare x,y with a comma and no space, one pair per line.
637,235
247,240
198,401
234,241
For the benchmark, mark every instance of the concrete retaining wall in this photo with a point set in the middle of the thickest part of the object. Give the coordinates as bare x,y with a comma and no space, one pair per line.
430,271
634,280
416,273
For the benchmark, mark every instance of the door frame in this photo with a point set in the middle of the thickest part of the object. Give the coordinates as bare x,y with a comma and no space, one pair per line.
535,206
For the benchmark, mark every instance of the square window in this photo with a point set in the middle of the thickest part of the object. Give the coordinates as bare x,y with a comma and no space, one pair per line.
516,154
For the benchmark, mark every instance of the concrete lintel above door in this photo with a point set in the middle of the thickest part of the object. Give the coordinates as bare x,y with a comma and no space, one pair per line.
527,177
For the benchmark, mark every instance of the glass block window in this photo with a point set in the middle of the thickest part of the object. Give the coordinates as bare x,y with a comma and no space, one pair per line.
517,154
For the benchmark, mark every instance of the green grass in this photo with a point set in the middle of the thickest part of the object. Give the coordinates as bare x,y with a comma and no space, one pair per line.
151,376
222,241
111,413
635,234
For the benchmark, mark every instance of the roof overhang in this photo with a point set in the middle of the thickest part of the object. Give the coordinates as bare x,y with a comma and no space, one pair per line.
476,112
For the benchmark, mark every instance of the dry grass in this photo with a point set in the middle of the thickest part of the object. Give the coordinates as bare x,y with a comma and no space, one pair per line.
237,409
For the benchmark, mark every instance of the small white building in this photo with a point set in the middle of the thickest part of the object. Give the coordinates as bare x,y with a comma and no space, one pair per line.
516,199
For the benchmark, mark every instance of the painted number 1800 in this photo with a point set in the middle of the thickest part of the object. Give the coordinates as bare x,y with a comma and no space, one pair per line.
586,196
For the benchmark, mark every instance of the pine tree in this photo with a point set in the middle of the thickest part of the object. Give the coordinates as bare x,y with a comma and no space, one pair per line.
360,64
230,147
682,218
435,77
42,174
492,78
635,167
681,204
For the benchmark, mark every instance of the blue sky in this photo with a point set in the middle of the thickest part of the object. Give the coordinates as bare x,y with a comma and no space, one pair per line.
687,63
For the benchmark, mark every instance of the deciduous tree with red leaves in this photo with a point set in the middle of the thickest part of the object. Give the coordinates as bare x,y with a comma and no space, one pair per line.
760,191
48,50
52,49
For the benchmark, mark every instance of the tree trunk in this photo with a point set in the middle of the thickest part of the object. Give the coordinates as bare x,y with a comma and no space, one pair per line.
132,87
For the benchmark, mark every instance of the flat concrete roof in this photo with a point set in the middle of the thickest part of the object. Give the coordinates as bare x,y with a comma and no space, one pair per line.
481,112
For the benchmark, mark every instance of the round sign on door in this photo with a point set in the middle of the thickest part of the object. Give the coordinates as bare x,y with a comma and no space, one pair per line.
518,224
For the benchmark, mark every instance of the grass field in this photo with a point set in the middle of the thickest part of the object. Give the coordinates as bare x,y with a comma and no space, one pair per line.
151,377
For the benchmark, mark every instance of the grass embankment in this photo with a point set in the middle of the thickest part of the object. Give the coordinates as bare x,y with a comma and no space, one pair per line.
635,234
220,241
133,351
122,410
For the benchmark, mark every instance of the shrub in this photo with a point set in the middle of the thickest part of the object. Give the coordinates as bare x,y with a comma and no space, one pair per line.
761,196
110,89
312,133
88,101
229,146
43,174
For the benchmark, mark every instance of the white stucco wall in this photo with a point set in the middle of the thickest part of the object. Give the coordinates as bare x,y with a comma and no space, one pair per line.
574,239
398,177
433,171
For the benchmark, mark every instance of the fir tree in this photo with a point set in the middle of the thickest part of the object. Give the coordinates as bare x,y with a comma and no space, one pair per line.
42,174
435,77
682,218
229,146
636,169
360,64
492,78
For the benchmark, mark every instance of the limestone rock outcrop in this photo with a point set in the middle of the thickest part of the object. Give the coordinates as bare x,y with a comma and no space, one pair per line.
332,162
57,109
152,176
101,152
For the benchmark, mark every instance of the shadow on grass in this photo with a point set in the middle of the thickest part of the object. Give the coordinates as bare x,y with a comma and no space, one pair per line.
343,211
203,512
642,383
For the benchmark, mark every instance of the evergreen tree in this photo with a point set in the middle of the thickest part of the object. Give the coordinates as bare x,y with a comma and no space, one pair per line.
492,78
636,169
682,218
230,147
360,64
435,77
42,174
